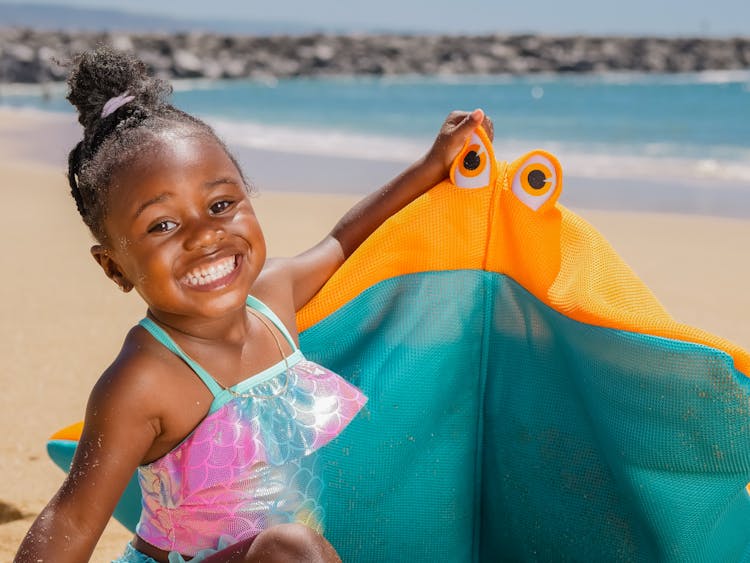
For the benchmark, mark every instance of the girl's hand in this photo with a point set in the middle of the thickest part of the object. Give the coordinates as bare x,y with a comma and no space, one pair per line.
456,129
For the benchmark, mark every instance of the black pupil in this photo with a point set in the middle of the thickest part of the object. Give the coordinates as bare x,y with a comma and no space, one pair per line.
472,160
537,179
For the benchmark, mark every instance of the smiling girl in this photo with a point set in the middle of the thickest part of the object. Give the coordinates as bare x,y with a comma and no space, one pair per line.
210,399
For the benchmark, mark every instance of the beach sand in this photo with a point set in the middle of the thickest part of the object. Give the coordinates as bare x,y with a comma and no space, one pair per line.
63,321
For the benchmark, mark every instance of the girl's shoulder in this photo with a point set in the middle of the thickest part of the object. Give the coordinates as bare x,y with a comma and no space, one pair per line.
274,288
140,359
139,372
274,277
148,385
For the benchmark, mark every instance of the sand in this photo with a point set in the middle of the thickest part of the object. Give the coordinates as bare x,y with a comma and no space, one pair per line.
63,321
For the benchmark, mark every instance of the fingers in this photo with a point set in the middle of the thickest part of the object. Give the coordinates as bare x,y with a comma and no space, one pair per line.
456,130
458,118
455,117
463,122
474,118
478,116
489,127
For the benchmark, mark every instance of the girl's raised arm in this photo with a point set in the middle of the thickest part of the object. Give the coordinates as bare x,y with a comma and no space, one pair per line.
310,270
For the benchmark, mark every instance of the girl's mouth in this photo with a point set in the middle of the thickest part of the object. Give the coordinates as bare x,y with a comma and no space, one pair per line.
214,275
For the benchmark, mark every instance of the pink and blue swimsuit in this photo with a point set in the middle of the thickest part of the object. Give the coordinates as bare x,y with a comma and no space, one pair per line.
250,463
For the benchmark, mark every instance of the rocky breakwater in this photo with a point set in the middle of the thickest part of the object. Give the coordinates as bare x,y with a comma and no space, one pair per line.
30,56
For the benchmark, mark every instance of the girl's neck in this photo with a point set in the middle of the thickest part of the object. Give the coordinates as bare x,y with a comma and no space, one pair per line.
231,328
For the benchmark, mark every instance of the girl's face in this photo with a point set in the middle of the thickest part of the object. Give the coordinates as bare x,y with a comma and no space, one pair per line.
181,229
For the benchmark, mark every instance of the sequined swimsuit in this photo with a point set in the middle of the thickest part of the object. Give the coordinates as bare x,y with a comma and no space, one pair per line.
249,464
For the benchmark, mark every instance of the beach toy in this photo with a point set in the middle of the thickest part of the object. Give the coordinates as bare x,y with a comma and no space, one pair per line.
529,398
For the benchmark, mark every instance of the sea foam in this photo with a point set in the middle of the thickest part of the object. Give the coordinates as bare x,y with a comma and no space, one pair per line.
649,161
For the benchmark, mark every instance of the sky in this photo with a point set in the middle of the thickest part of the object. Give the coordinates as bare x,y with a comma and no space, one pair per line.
593,17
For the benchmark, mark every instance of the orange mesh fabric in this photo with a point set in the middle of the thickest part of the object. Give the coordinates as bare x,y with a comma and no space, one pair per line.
550,251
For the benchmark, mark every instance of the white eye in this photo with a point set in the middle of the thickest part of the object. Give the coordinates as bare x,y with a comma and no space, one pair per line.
474,165
537,179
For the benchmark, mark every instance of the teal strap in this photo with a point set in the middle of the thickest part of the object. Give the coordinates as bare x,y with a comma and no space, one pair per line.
257,305
161,336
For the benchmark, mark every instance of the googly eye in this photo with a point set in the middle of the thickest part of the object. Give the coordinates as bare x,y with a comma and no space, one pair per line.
474,162
473,166
537,179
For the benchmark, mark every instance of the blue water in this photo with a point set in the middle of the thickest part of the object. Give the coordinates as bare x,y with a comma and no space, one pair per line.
689,127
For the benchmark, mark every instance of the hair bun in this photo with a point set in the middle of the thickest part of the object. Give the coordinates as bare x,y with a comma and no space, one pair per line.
104,73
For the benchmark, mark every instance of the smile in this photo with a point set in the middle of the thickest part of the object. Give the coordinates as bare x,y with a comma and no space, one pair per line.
212,275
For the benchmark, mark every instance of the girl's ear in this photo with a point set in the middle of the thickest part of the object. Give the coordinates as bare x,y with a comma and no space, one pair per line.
111,268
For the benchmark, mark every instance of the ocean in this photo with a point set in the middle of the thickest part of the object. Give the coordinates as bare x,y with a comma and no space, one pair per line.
683,129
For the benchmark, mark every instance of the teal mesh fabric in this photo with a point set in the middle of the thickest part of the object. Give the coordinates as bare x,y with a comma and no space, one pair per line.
498,429
402,481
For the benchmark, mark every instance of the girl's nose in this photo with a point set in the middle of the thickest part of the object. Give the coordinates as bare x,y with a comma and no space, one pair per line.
204,235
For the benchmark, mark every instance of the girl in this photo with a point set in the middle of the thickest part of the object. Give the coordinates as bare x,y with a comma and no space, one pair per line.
224,458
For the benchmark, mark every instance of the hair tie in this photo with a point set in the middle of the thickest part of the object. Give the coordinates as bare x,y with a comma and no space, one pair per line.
115,103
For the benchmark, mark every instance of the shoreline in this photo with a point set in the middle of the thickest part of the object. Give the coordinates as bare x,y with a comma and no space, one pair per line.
47,136
68,320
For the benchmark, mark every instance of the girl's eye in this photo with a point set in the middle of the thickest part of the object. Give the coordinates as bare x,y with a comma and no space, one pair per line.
162,227
220,206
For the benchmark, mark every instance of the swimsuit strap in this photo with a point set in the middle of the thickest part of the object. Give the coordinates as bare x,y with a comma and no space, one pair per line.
161,336
257,305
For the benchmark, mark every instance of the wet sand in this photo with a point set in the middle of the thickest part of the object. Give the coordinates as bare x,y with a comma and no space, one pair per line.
63,321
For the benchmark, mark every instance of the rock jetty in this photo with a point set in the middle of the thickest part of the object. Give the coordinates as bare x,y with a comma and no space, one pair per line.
31,56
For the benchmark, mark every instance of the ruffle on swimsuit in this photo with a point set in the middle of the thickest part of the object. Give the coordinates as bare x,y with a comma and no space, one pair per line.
248,465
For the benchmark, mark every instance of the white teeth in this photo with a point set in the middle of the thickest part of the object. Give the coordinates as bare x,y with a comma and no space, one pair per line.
206,275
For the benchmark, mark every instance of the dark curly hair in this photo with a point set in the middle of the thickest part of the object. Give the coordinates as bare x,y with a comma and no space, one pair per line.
112,141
